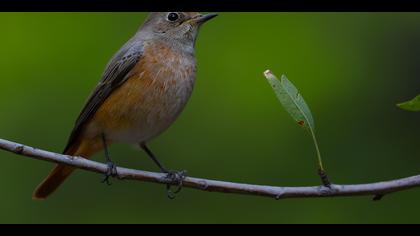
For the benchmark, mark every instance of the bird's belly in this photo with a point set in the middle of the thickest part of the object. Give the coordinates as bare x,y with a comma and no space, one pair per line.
152,115
140,109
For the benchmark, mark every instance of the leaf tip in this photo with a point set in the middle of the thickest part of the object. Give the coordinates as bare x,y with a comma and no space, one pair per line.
412,105
268,73
270,76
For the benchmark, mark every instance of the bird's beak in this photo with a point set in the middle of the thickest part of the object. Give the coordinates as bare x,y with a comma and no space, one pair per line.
200,19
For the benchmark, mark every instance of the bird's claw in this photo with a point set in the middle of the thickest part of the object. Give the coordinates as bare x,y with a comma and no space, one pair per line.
111,172
175,178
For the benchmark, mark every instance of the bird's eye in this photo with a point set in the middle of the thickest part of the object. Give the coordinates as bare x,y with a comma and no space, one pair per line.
173,16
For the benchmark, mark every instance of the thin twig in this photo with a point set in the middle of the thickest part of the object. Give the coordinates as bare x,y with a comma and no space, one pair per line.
372,189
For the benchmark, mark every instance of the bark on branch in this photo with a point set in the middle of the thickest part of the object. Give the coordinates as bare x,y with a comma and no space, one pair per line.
378,190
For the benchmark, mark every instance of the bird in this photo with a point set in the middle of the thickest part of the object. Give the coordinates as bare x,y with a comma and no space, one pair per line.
143,90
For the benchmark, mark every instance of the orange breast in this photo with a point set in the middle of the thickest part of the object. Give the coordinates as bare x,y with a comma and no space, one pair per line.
150,100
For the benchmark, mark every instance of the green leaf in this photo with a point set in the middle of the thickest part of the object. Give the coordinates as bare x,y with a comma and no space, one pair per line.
296,106
413,105
291,100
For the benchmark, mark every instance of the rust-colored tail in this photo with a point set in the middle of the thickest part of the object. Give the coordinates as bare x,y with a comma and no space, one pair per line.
52,182
60,173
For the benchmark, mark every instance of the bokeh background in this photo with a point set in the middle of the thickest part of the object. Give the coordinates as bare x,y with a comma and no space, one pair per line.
352,68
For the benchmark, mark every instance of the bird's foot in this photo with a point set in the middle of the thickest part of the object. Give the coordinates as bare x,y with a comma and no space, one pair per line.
174,178
111,172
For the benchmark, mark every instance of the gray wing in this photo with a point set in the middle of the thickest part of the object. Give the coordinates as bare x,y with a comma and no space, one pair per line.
114,76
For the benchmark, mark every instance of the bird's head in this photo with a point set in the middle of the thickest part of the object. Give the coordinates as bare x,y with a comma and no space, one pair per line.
175,26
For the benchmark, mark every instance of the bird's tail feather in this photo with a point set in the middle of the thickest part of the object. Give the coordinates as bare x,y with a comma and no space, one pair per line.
56,177
61,172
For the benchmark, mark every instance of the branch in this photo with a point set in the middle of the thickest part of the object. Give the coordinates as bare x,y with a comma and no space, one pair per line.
378,189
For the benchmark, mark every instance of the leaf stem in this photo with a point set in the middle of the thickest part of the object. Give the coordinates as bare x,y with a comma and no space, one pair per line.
321,172
318,152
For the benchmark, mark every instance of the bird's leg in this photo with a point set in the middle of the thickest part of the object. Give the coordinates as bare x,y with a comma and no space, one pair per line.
154,159
112,168
175,177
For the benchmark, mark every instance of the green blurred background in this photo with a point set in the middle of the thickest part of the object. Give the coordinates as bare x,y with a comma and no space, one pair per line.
352,68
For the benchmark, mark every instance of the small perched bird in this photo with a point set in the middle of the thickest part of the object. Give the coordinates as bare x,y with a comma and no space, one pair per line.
143,90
